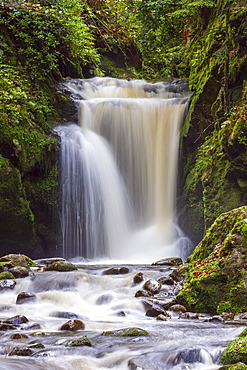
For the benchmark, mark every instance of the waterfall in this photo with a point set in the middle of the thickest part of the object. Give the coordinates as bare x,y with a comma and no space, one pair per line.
119,169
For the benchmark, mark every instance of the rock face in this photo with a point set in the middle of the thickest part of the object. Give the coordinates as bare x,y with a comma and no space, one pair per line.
215,273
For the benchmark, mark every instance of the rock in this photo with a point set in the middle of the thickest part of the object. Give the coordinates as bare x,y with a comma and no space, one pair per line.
152,286
60,266
6,275
163,317
64,315
5,326
25,351
16,320
126,332
175,261
155,311
121,314
163,303
116,271
25,298
73,325
36,345
19,271
104,299
227,316
177,308
18,260
19,336
84,341
241,316
138,278
7,284
176,276
166,280
34,326
143,293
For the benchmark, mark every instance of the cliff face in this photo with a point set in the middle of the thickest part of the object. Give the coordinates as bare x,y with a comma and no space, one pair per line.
214,137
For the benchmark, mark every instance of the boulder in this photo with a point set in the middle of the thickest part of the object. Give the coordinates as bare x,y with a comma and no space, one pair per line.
25,297
138,278
126,332
61,266
25,351
84,341
64,315
155,311
174,261
7,284
18,336
116,271
177,308
18,260
166,280
73,325
152,286
143,293
16,320
19,271
5,275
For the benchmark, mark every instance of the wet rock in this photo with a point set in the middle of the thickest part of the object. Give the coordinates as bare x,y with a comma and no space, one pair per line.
34,326
177,308
25,297
214,319
18,260
25,351
5,326
84,341
176,276
126,332
19,336
16,320
163,303
116,271
241,316
73,325
7,284
166,280
138,278
163,317
64,315
19,271
155,311
121,314
60,266
226,316
104,299
6,275
190,356
168,262
152,286
143,293
36,345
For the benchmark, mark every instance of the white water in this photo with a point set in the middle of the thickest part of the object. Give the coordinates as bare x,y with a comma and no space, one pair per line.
97,299
119,170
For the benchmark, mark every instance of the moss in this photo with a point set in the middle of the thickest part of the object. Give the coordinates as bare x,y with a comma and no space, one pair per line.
6,275
215,273
236,351
128,332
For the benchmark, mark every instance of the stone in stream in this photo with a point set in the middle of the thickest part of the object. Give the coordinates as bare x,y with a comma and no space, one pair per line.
18,336
103,299
19,271
138,278
126,332
177,308
143,293
152,286
12,260
7,284
73,325
166,280
6,275
64,315
16,320
5,326
116,271
175,261
25,351
84,341
25,297
61,266
155,311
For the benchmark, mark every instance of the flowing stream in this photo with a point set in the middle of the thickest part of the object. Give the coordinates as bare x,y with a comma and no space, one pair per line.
105,302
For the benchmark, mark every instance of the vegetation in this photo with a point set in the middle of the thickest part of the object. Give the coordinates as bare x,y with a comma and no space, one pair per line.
236,352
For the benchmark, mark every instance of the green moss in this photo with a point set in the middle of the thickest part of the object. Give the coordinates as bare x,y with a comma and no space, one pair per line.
215,273
236,351
6,275
128,332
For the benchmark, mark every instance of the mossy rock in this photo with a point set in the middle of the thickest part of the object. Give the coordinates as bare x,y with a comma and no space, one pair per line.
60,266
215,273
18,260
6,275
235,352
84,341
127,332
238,366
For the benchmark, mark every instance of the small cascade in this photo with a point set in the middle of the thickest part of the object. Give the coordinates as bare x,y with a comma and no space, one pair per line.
119,169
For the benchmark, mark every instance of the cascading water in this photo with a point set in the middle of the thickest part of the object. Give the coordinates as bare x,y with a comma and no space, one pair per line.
119,167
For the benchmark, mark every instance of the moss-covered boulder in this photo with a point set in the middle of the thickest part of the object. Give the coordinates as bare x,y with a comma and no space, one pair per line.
126,332
236,353
216,272
17,260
